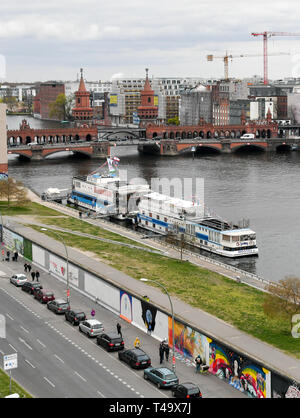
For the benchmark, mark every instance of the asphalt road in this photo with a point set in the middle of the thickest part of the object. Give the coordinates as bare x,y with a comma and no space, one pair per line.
56,361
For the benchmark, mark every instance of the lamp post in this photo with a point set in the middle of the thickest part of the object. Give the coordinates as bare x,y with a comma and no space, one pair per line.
172,311
67,257
1,227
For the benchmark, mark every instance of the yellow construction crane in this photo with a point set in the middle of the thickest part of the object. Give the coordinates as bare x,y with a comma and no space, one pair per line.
226,57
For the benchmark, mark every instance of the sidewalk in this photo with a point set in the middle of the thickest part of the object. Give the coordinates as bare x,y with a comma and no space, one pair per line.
261,352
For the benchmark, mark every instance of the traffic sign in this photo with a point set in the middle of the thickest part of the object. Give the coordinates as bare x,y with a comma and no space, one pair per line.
10,361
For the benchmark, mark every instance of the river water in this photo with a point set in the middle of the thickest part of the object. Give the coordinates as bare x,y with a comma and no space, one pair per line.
262,187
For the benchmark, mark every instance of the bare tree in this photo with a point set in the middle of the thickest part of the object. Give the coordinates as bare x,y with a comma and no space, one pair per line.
13,190
284,298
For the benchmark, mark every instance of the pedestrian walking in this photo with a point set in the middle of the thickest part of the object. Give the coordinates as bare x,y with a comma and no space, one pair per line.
198,361
25,267
37,275
33,275
7,255
166,350
161,353
137,343
119,329
16,255
29,268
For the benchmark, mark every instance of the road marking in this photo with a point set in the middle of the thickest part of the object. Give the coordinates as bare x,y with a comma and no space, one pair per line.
12,347
48,381
24,329
58,358
100,394
12,319
25,343
82,378
43,345
28,362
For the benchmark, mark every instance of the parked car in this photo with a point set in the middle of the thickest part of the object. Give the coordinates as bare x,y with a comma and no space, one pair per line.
91,327
58,306
161,376
111,341
29,287
135,357
18,279
248,136
43,296
186,390
75,316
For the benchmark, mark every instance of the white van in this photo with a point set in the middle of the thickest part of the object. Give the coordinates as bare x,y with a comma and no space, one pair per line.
30,144
248,136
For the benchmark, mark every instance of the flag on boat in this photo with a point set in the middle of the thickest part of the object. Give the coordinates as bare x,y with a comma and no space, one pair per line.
116,160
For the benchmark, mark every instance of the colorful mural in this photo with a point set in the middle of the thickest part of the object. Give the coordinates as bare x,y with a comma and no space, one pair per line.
240,372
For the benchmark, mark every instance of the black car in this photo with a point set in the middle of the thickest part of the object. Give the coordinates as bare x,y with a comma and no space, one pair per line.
58,306
111,341
29,287
136,358
75,316
186,390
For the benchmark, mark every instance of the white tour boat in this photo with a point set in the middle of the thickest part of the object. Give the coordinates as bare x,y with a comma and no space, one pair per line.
187,220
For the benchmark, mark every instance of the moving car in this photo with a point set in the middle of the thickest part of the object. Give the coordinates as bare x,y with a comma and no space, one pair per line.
186,390
161,376
58,306
18,279
248,136
75,316
29,287
43,296
91,327
136,358
111,341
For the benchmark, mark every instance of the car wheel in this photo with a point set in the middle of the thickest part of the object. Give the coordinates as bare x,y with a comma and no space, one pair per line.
80,330
159,385
145,377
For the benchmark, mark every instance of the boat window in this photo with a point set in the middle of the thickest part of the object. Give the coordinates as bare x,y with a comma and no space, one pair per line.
234,239
226,238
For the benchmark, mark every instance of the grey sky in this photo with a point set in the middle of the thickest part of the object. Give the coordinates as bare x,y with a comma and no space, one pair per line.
44,40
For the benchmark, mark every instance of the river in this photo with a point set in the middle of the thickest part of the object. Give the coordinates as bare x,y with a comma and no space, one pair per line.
262,187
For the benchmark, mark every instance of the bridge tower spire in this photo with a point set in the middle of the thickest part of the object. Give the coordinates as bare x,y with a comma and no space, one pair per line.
148,111
82,110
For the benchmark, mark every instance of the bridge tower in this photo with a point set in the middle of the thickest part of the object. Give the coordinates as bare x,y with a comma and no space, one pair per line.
3,143
82,110
147,112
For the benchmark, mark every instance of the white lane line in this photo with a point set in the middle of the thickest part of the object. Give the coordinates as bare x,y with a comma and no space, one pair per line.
82,378
24,329
12,347
43,345
25,343
48,381
28,362
8,316
58,358
101,394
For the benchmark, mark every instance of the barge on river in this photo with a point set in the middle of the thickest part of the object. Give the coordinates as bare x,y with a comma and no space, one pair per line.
186,220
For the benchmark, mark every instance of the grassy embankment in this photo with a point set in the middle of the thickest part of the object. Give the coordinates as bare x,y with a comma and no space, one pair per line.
237,304
15,388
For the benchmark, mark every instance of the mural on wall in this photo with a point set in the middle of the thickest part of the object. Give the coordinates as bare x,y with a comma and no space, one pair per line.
125,306
284,388
149,315
188,342
59,267
240,372
13,241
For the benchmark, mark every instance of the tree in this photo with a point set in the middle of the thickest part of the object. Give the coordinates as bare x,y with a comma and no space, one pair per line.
173,121
62,107
283,299
13,190
10,101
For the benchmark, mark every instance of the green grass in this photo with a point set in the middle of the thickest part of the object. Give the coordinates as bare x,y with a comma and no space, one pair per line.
237,304
30,208
15,388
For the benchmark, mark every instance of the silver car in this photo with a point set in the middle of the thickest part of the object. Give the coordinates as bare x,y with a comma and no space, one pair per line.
18,279
91,327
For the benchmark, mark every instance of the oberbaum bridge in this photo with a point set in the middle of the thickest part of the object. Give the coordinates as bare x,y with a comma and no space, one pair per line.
96,141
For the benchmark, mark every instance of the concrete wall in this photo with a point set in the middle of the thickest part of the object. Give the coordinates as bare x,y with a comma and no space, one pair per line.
3,142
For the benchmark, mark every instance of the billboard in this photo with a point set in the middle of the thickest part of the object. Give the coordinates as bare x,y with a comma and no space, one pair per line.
113,100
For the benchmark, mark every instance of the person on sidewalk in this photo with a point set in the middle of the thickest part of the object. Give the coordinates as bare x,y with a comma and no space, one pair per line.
7,255
25,267
29,268
119,329
161,353
166,349
137,343
198,361
16,255
33,275
37,275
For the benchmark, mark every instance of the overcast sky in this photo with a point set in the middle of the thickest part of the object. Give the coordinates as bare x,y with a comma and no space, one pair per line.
44,40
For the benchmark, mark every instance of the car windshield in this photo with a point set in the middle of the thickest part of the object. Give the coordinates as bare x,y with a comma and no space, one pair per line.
97,326
193,391
63,305
80,315
116,340
48,294
142,357
170,376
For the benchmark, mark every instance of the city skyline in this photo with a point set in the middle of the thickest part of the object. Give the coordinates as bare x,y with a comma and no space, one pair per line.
44,41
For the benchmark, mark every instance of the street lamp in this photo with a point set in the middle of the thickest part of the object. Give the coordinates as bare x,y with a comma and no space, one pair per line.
1,227
67,257
172,311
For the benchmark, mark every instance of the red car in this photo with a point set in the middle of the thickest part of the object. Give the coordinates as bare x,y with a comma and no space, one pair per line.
43,296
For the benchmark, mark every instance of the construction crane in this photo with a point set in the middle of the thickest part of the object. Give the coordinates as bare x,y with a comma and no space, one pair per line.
226,57
265,36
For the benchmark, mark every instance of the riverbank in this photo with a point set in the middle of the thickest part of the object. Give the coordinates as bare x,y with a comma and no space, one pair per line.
235,303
